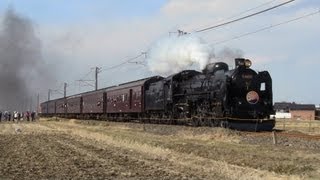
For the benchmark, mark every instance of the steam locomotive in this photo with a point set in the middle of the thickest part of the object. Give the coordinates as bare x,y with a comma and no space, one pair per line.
240,99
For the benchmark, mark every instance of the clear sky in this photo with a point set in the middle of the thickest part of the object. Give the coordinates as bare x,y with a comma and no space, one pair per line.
101,33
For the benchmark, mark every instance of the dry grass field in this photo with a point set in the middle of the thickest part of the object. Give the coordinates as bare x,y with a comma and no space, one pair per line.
64,149
305,126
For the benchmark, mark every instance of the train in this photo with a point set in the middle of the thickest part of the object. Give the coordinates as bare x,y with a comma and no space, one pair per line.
238,98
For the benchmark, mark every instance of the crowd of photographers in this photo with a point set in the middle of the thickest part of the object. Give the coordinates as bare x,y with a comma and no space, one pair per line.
16,116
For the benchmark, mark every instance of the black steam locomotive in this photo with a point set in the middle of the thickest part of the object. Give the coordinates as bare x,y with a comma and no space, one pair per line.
239,98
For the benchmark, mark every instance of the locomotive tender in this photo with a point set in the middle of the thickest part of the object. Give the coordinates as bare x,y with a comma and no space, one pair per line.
239,99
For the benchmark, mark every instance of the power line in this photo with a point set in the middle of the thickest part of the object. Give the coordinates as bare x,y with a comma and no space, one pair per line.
267,27
245,17
181,32
86,75
143,62
248,10
124,62
85,82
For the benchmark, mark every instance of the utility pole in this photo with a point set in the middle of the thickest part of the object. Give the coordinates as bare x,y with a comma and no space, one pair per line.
145,54
49,92
96,77
38,103
65,90
30,105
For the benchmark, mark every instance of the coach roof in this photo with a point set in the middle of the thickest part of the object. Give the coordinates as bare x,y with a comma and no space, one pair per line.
139,82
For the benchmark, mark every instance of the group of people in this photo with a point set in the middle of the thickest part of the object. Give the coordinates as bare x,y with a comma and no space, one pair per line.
17,116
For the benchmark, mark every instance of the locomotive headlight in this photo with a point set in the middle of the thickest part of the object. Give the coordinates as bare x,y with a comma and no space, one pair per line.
247,63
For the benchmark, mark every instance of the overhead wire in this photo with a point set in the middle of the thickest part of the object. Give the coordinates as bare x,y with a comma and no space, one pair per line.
267,27
86,75
122,63
248,10
244,17
180,32
86,82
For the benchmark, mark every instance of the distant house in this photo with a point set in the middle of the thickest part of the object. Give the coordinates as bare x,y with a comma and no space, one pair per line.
303,111
295,111
318,112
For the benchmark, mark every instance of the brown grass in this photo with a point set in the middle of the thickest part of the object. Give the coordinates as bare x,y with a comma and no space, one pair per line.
211,152
305,126
120,137
221,135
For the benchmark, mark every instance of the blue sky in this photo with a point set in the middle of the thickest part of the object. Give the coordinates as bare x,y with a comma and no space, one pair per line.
101,33
61,11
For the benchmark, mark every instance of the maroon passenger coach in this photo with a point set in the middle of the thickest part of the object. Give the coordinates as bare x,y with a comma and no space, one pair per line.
73,105
93,103
127,98
60,106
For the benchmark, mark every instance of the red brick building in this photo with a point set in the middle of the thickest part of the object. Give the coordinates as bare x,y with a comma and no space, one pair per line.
303,111
297,111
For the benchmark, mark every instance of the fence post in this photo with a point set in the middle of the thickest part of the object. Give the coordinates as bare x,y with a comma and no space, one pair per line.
310,124
274,136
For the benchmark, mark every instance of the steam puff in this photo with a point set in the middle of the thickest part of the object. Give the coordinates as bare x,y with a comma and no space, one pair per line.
173,54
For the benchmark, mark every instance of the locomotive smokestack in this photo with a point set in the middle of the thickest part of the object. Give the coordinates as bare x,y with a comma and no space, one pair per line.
239,62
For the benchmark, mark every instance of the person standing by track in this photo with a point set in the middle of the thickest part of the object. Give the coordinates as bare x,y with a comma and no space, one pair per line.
28,115
19,116
33,114
9,115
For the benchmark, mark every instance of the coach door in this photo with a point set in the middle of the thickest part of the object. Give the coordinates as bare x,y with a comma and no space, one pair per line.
130,99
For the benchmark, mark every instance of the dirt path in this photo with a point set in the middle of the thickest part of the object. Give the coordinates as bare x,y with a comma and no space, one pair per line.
74,149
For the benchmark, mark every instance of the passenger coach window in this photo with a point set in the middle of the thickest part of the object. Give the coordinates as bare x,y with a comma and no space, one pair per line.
263,87
138,95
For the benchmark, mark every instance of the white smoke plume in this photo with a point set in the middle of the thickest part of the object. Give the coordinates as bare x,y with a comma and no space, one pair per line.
227,55
173,54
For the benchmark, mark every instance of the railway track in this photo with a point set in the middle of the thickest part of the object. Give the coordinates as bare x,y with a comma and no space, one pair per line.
225,122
